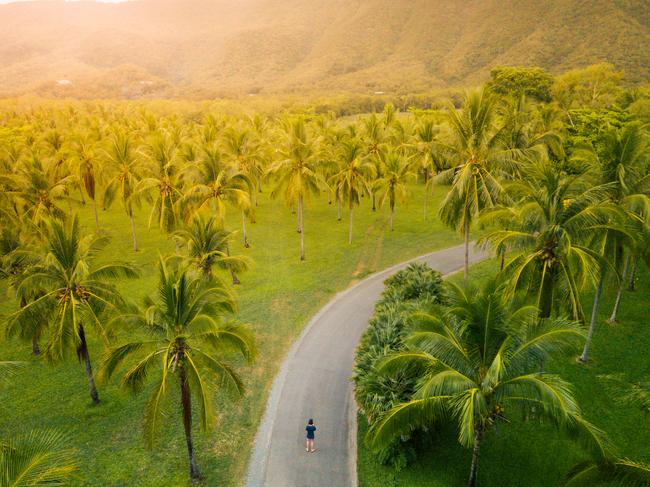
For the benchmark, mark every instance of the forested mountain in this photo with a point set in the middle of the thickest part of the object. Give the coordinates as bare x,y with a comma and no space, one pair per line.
199,48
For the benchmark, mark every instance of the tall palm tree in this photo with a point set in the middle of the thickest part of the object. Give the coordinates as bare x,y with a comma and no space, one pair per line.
187,339
557,216
623,159
207,247
37,458
296,173
246,155
621,165
75,293
475,186
164,182
375,141
84,156
430,160
126,167
393,183
354,177
475,362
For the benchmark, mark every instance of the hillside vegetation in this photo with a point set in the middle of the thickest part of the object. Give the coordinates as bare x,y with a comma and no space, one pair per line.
195,48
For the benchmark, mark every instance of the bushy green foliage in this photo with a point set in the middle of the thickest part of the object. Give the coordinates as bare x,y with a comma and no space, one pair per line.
516,81
416,287
418,283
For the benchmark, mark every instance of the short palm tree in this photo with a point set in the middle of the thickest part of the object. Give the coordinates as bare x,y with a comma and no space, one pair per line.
207,246
37,458
475,186
476,362
213,185
296,173
188,340
354,177
39,192
392,185
620,471
75,293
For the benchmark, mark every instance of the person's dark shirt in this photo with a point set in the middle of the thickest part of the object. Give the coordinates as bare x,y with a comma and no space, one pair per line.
310,431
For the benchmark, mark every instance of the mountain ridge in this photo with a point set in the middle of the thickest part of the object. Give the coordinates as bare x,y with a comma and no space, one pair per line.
198,48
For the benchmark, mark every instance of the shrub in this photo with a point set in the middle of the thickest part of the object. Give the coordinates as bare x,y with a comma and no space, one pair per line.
417,287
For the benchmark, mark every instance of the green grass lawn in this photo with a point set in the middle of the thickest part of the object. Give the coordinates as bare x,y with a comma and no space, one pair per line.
277,297
533,455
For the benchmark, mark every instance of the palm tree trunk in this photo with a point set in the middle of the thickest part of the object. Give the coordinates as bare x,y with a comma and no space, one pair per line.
243,224
135,238
36,348
473,472
545,302
592,325
392,215
503,260
235,279
81,195
82,352
301,223
186,401
374,202
350,228
466,249
426,202
339,205
96,215
632,283
619,294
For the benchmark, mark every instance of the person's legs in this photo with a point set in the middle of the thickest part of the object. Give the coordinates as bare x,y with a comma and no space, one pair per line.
307,446
311,445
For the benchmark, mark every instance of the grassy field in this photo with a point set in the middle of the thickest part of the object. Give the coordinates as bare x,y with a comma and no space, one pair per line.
277,297
537,456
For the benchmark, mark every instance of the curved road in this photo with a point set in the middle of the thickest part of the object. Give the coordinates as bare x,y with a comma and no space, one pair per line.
314,382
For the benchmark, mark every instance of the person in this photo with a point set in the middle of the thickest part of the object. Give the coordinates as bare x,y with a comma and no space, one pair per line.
310,436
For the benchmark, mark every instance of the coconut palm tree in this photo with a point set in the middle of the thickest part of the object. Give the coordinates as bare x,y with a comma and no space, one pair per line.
475,362
207,247
393,183
354,176
620,471
37,458
557,216
213,184
245,154
38,192
84,156
164,182
623,158
296,173
186,339
75,292
475,186
375,141
126,169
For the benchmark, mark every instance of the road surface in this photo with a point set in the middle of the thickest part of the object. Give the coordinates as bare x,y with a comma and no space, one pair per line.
314,382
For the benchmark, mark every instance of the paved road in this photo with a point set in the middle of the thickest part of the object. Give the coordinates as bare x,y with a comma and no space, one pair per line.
314,382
